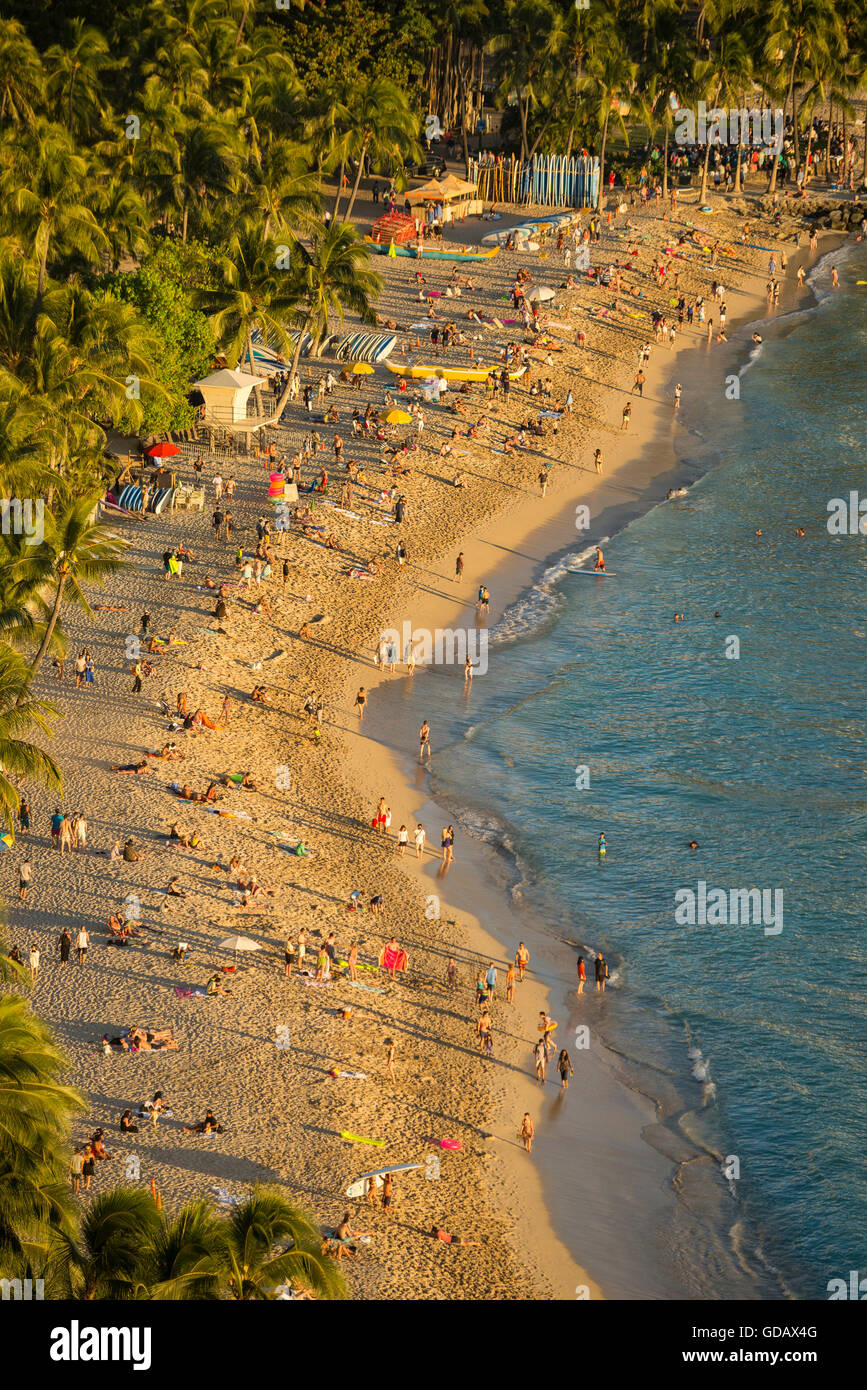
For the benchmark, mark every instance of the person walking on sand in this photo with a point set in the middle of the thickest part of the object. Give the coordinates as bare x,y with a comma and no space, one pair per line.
34,962
527,1133
420,838
389,1058
597,461
424,741
602,973
82,941
360,702
65,943
491,979
25,878
289,957
510,984
76,1167
451,973
459,567
626,416
387,1193
352,961
678,393
565,1068
582,975
540,1054
522,960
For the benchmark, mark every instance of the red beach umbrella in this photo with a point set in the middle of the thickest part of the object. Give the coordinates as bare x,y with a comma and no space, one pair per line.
163,451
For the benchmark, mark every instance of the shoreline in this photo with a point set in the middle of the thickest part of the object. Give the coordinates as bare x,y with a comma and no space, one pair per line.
228,1055
523,560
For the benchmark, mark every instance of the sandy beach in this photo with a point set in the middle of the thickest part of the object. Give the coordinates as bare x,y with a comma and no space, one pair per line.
261,1056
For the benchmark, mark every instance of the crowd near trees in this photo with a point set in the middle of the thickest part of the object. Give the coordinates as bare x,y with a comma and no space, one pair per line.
174,178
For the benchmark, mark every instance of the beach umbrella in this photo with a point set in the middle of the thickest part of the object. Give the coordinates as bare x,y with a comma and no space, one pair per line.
163,451
399,417
361,368
238,943
6,840
540,292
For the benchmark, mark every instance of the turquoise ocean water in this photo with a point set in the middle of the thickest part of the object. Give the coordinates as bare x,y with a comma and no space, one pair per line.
760,759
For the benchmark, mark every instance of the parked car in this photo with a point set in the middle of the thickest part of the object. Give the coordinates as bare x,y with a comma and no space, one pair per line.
432,166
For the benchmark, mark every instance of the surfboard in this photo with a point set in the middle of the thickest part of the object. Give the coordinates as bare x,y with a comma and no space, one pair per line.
357,1139
356,1189
595,574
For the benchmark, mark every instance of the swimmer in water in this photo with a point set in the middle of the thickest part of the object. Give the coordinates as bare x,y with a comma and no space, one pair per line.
757,337
603,847
758,533
600,560
693,844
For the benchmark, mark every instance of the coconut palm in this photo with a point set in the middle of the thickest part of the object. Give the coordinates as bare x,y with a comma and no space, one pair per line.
267,1242
109,1258
76,551
522,64
186,1256
281,189
725,73
806,33
21,74
36,1108
73,82
611,76
252,292
20,718
382,129
330,276
202,170
49,185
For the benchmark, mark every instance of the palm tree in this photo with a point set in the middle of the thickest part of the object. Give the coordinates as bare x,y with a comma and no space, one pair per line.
522,64
76,551
204,166
801,35
186,1255
74,81
36,1108
611,76
330,276
21,74
48,183
252,293
725,73
110,1257
267,1242
282,190
382,128
20,718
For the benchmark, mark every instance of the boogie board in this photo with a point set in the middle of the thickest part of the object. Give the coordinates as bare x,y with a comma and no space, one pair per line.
356,1189
357,1139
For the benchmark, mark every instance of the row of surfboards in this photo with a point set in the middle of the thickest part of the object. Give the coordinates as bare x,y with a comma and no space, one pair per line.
130,498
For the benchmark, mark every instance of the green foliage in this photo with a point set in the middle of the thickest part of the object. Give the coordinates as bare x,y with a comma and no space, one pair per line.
362,39
162,291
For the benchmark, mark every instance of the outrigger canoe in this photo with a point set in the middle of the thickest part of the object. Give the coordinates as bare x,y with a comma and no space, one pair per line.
429,253
417,373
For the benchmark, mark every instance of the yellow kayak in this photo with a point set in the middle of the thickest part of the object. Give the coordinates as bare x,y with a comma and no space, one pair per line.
451,373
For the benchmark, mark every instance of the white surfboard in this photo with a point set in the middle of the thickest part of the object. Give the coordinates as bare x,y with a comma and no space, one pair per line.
356,1189
595,574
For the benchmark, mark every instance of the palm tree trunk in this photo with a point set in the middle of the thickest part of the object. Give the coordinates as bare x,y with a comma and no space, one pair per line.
545,126
792,94
665,164
257,390
864,169
828,142
703,191
296,358
338,195
184,225
601,193
49,631
740,147
522,111
360,170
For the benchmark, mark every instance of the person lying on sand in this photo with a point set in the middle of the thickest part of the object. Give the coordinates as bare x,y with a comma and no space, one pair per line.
516,441
173,891
137,768
169,752
439,1234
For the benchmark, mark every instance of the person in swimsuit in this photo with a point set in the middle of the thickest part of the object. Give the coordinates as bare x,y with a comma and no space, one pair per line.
423,741
565,1068
522,960
582,975
527,1133
602,973
600,561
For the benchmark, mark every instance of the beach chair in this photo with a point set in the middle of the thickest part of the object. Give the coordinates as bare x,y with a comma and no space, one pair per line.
196,501
181,498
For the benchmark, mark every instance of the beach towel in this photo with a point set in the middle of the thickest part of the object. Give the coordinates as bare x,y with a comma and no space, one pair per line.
359,984
348,1075
393,958
225,1198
